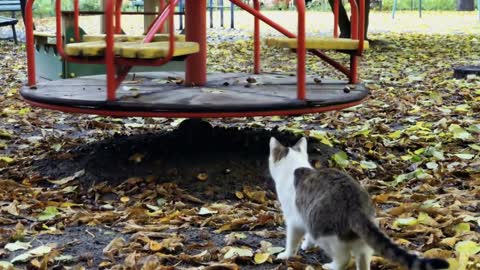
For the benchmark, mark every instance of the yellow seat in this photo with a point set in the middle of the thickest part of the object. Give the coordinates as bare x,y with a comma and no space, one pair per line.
125,38
154,50
45,37
318,43
132,49
92,49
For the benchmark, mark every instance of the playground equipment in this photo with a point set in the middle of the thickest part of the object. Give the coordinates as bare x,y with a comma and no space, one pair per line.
196,94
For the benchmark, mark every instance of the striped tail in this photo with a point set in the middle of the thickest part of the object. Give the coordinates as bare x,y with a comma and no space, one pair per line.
370,233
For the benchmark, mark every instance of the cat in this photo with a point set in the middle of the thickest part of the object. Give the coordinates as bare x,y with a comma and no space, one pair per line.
333,211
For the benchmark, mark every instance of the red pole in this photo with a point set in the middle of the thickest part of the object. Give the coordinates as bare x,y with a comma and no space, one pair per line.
118,17
256,40
196,31
301,52
354,19
361,26
109,52
30,44
162,6
76,14
335,18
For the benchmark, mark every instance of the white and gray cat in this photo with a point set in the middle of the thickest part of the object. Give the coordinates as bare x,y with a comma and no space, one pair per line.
328,208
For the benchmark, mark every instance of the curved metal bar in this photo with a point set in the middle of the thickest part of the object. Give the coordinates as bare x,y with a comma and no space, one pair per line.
28,19
301,52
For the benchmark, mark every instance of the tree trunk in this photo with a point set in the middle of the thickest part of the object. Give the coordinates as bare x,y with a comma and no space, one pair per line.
465,5
344,22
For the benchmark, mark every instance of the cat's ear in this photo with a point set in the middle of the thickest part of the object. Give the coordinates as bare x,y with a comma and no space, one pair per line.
277,150
301,146
301,174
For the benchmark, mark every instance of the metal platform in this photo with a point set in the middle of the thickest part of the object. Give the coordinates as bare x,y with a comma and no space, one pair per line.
161,94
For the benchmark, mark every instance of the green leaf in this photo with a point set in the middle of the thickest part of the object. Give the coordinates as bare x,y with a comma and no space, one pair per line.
467,248
464,156
5,265
462,108
395,135
64,258
49,213
17,246
7,160
36,252
370,165
436,98
459,132
321,136
432,165
462,228
474,128
238,252
474,146
341,159
409,221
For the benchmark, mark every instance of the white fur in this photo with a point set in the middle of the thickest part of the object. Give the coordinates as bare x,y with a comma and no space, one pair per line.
282,173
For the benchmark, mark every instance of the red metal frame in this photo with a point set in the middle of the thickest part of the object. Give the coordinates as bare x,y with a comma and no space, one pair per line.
118,68
336,7
194,114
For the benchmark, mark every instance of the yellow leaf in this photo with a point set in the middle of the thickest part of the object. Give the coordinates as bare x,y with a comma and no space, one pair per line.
462,228
261,258
155,246
449,241
425,219
239,195
202,176
124,199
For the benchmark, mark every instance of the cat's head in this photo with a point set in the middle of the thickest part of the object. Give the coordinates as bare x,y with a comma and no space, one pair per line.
284,159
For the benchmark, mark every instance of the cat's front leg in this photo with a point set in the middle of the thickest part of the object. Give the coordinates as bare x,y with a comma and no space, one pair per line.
294,236
308,242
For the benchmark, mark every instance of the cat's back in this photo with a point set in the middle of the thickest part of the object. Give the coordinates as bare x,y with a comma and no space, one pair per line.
332,186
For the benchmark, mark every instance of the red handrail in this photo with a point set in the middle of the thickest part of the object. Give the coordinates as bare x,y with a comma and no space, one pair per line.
289,34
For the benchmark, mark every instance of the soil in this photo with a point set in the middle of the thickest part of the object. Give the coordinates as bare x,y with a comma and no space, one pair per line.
231,157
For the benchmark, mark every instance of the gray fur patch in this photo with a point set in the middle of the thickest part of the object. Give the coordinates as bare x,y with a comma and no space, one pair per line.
279,153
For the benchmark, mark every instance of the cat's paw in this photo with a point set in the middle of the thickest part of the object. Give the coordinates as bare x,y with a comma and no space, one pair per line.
306,245
284,255
329,266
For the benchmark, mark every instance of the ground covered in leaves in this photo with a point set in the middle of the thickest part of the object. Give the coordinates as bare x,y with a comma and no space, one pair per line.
93,192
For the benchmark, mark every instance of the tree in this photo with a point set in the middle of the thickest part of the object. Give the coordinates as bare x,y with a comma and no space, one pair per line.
465,5
344,21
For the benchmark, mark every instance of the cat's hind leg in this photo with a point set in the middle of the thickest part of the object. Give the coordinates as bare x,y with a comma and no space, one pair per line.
294,236
363,255
339,251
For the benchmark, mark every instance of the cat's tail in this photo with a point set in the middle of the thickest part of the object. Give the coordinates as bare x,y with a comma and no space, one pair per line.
370,233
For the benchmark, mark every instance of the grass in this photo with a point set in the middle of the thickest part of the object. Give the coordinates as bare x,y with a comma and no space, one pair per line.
318,22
